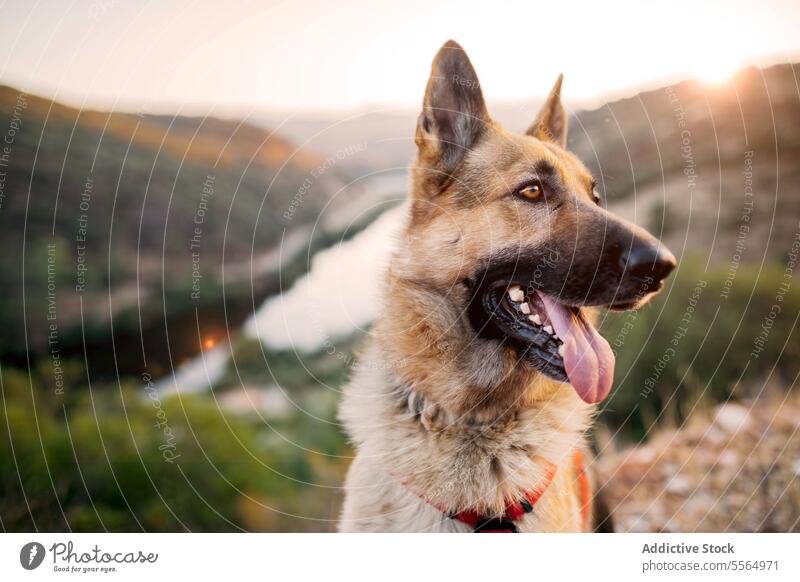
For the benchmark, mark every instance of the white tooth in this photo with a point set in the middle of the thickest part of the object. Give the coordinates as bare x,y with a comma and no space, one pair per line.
536,319
516,293
526,309
549,329
561,350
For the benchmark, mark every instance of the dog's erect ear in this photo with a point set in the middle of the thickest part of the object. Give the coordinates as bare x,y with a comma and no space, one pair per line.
454,114
551,123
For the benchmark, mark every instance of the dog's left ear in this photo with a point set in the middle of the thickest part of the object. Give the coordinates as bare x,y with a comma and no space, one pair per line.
454,114
551,123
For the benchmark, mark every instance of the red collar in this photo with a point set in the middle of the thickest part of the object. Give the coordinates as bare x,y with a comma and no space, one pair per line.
515,510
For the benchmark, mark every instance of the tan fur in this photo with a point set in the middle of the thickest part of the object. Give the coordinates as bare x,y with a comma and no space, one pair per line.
480,402
456,460
432,410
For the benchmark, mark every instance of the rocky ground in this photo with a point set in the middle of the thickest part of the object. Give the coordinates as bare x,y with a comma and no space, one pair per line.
736,470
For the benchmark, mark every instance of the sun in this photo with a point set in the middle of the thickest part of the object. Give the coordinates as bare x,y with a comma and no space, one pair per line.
715,71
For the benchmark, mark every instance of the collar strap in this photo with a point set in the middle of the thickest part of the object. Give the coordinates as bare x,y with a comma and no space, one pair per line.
513,513
515,510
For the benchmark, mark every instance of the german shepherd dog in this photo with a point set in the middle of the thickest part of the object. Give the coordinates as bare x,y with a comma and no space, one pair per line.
460,407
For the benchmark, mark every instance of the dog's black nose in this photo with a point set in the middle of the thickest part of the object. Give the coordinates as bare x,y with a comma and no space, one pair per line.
646,259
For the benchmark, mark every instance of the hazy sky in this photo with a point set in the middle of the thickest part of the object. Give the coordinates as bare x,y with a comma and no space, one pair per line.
316,54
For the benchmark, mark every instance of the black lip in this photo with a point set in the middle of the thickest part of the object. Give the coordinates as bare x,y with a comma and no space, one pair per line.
640,299
623,306
536,347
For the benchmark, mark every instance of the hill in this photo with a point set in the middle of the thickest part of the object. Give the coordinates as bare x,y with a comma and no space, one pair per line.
134,215
711,167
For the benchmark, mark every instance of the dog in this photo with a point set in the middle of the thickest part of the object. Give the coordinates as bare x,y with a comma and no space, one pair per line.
460,407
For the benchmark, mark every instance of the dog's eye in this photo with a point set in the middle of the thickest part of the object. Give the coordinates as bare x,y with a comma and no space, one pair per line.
531,191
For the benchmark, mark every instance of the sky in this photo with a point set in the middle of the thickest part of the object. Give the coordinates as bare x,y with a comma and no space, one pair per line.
235,55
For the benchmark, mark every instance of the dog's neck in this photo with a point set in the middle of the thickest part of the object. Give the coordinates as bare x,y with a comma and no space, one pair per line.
477,460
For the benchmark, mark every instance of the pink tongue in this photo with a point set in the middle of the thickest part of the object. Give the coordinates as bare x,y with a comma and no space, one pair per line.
588,358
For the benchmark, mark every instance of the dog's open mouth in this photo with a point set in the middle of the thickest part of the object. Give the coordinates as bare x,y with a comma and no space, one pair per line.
556,339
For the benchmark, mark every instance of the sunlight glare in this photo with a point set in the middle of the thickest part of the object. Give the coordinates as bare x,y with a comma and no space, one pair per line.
715,71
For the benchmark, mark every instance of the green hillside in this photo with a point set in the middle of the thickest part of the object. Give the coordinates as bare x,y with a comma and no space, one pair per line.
136,216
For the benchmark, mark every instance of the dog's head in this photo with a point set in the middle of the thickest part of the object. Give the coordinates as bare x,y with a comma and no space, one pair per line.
512,229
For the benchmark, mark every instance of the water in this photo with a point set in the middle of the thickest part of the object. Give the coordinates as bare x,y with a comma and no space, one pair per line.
341,292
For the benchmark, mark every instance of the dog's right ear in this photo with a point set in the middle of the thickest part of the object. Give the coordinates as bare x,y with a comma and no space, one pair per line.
454,114
551,123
